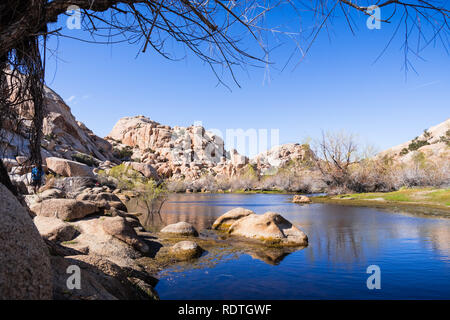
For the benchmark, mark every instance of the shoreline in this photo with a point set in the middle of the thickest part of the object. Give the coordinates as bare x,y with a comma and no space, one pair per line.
420,209
425,209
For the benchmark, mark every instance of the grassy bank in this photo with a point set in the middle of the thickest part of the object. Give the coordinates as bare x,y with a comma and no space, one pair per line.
426,201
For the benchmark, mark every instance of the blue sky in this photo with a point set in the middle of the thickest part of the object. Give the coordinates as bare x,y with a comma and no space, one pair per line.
337,86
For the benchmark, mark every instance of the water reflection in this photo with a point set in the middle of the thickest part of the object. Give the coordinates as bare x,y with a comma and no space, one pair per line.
338,234
413,252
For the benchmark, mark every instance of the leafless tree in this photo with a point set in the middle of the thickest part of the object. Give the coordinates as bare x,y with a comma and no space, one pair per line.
335,153
213,30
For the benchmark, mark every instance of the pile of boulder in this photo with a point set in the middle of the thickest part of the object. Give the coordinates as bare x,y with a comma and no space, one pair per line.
89,228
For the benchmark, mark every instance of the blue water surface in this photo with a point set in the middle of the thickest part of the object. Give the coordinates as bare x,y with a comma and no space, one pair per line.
413,253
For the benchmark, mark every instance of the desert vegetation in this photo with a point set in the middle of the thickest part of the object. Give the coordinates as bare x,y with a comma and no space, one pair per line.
150,193
339,165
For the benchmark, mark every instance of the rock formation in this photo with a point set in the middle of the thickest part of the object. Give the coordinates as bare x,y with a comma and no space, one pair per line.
270,228
185,250
281,156
181,229
301,199
179,151
434,143
225,221
25,271
63,136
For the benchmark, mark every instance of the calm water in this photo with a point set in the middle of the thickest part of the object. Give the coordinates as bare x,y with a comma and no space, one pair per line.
412,252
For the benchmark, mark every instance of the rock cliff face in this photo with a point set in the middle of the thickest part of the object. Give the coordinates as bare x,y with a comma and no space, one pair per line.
63,136
179,151
155,150
434,143
25,271
281,156
193,151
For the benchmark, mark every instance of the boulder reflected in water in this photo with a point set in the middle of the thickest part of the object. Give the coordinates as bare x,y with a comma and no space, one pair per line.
272,256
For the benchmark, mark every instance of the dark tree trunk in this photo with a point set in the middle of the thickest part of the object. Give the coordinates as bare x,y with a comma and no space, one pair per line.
5,180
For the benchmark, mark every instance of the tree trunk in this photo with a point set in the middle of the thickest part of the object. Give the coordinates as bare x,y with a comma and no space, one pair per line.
5,180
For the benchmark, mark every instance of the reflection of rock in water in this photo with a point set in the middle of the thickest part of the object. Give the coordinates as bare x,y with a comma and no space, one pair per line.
267,254
270,255
201,217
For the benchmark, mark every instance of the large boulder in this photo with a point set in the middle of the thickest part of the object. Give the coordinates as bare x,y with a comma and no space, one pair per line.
64,209
185,250
99,237
121,229
51,194
101,279
271,228
72,186
68,168
54,229
226,220
25,271
104,200
181,229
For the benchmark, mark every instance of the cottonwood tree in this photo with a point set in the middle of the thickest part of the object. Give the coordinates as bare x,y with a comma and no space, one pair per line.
214,30
336,153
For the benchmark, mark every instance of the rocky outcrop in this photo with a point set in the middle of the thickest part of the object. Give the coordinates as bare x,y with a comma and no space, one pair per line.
281,156
121,229
177,152
25,271
181,229
63,135
434,143
105,248
103,200
270,228
225,221
54,229
64,209
101,279
68,168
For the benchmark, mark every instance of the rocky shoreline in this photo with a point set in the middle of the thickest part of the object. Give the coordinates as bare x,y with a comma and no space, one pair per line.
77,222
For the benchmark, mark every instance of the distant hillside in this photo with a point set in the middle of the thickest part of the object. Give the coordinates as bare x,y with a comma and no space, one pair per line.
434,143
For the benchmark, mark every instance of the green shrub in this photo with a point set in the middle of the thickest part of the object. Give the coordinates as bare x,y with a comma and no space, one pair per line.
127,178
84,158
404,151
416,144
446,138
124,153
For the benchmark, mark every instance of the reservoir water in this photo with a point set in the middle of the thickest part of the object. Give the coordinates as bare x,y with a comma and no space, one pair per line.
413,253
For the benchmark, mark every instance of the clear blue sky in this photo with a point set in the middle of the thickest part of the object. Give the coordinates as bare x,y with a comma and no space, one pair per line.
335,87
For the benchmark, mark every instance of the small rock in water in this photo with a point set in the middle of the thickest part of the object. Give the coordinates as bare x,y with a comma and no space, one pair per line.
301,199
181,228
186,250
